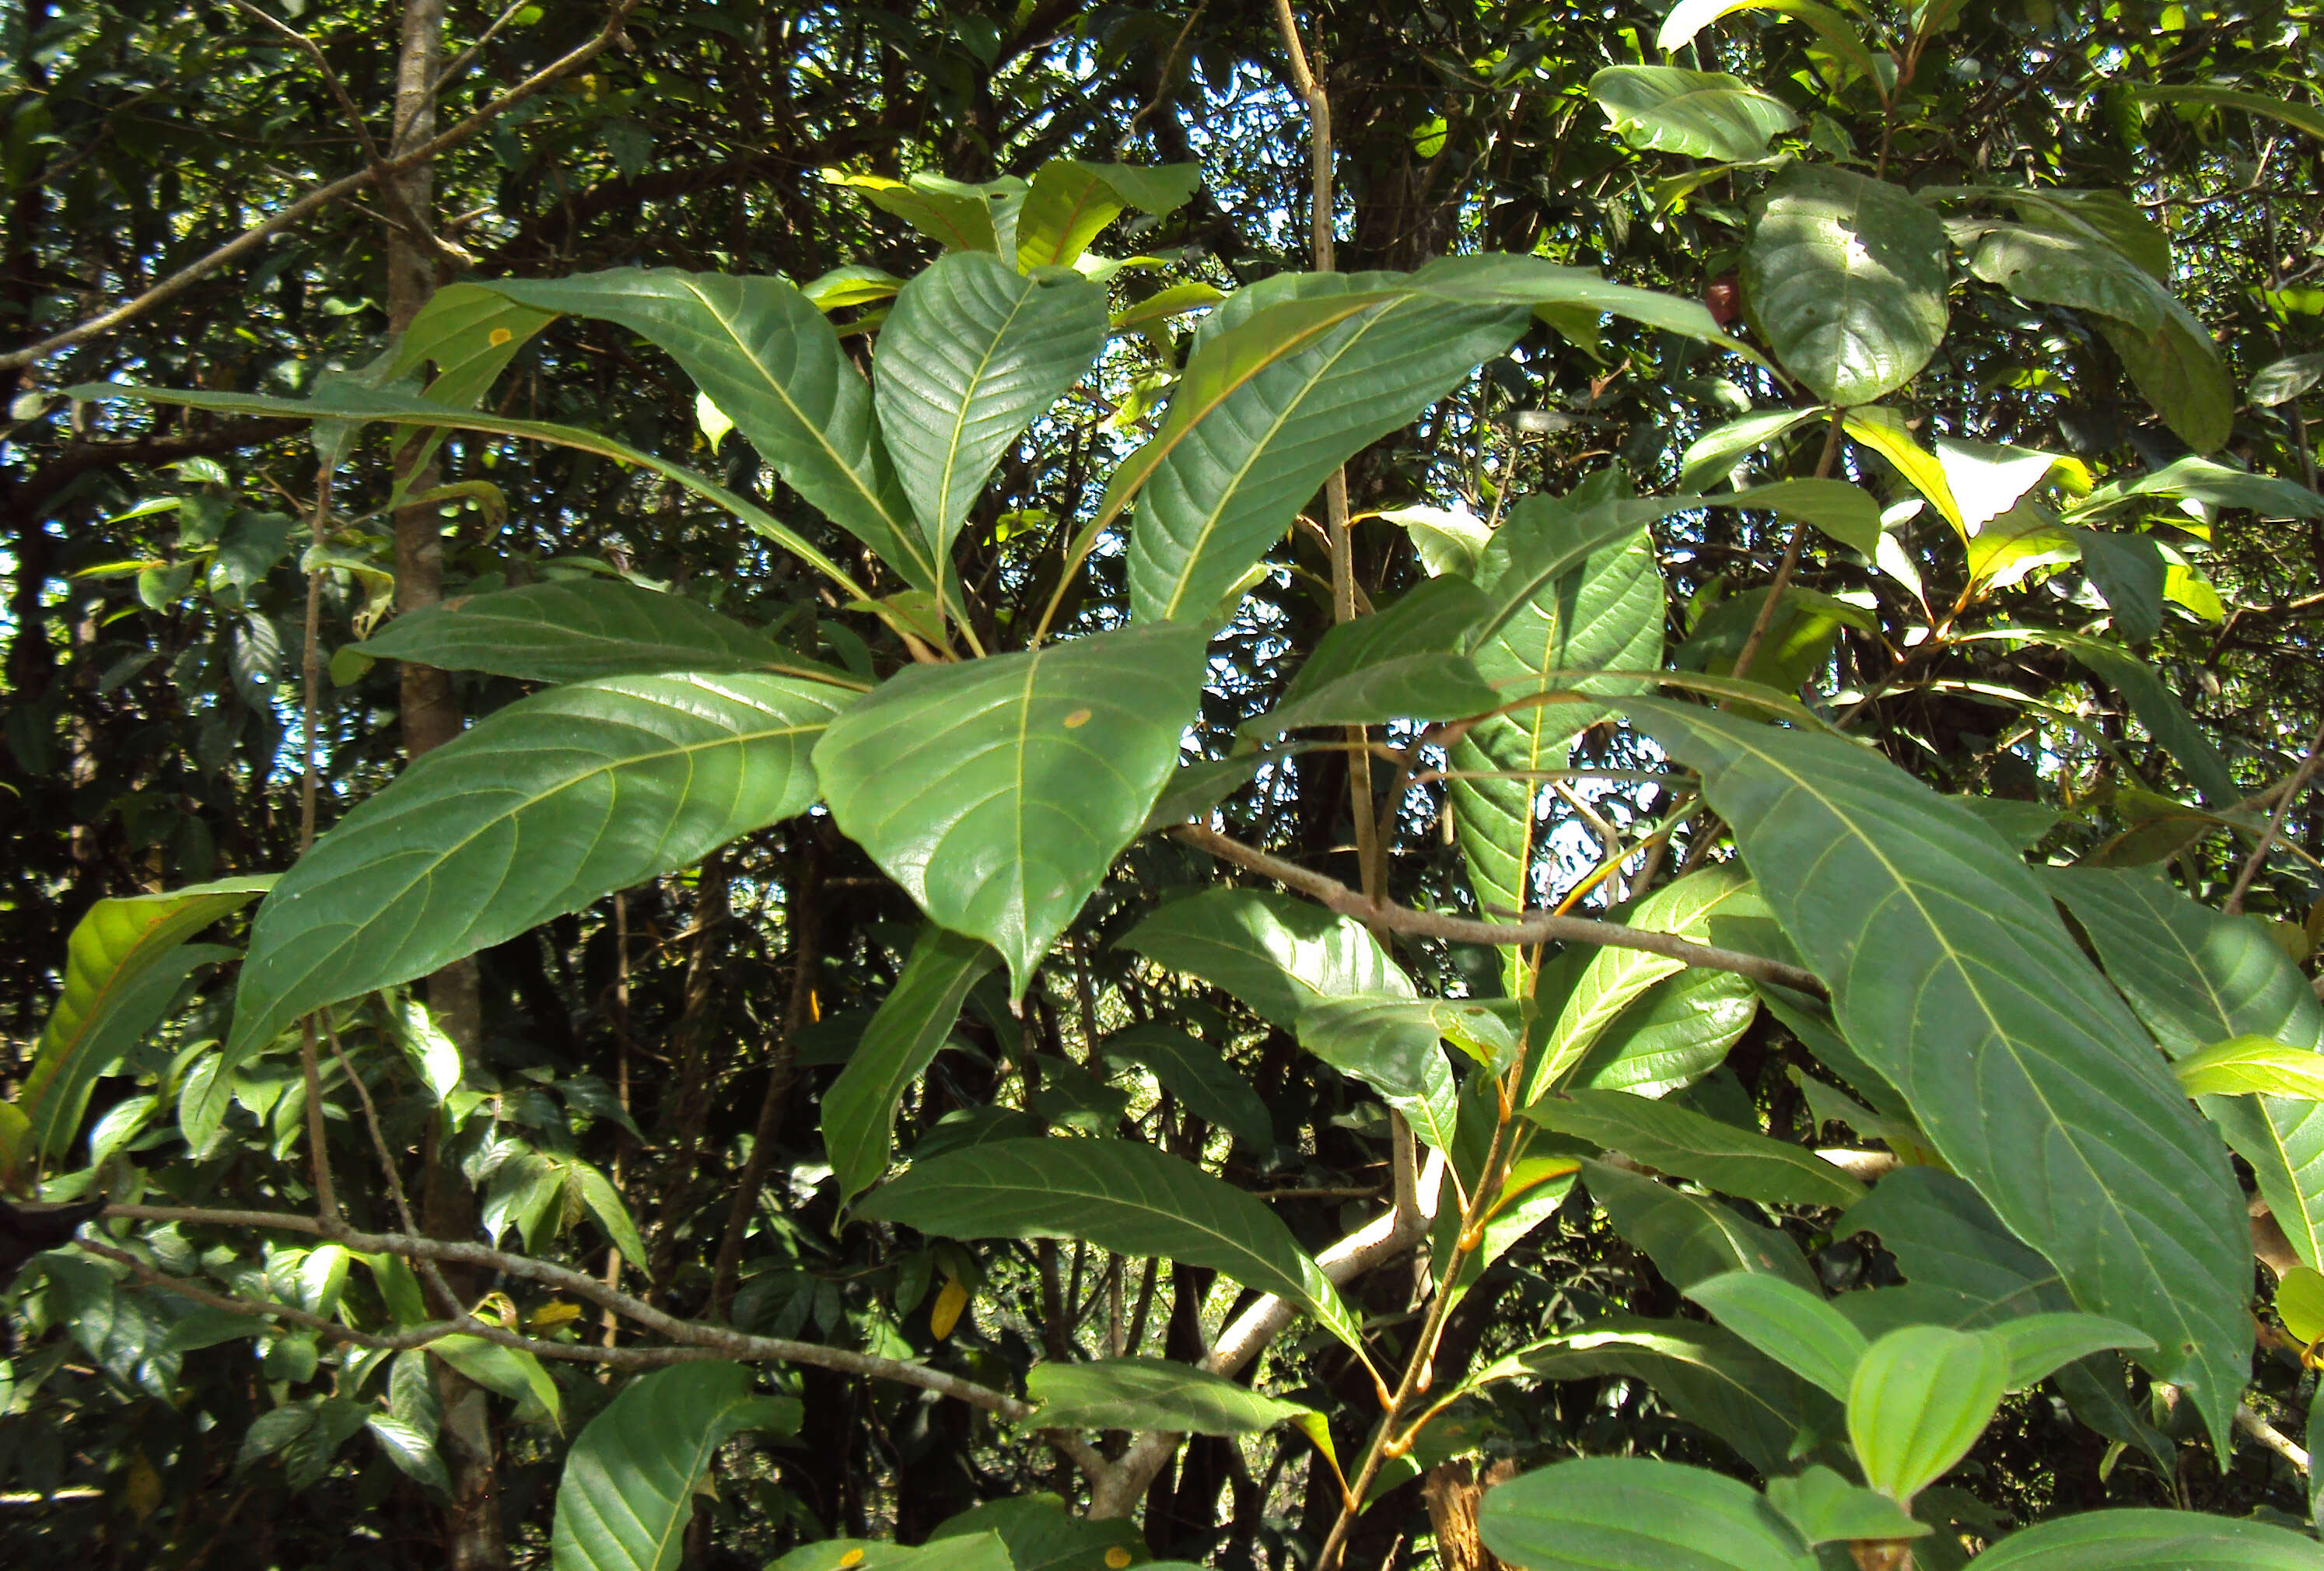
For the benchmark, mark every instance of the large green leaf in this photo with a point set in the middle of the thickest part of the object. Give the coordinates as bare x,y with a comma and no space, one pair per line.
765,356
2180,370
1700,113
1119,1195
1398,663
1680,1141
536,811
1276,953
2056,266
589,627
1689,1238
1392,1045
2268,105
2150,1541
999,792
1197,1075
859,1110
1953,974
470,333
1254,429
1039,1535
1846,275
1945,1236
1151,1393
1626,1513
1070,201
1918,1400
627,1491
1795,1327
972,351
1677,1032
1570,294
2196,977
118,979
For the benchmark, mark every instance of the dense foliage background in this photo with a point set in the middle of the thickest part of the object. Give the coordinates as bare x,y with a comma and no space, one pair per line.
650,1066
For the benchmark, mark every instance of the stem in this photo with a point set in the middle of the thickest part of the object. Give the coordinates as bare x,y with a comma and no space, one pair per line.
2234,904
1766,617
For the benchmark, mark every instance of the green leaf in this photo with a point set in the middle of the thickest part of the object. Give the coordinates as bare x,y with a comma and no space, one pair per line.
1839,35
2300,1303
971,355
1827,1509
770,360
1920,1397
2127,570
470,332
582,628
999,792
2156,706
2055,266
1614,979
627,1491
1197,1075
1277,954
1448,541
119,977
1711,457
1680,1141
1700,113
534,811
1149,1393
2215,483
2150,1541
1564,293
1119,1195
859,1110
1071,202
1846,276
2037,1346
1390,1044
1795,1327
509,1372
2254,1066
1039,1535
1397,664
604,1203
1848,514
2268,106
1678,1031
2198,977
1952,974
2180,370
1691,1239
1626,1513
1266,410
413,1453
1945,1236
957,216
981,1552
2281,380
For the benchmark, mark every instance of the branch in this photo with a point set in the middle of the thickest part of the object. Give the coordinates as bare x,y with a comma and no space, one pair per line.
316,200
2234,904
1533,927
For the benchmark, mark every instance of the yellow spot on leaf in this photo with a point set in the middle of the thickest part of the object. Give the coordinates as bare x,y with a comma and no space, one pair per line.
1078,718
550,1314
853,1557
1117,1558
501,336
949,1303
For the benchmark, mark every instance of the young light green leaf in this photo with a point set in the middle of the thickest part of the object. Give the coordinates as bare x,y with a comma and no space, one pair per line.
2300,1303
1626,1513
1951,972
627,1491
1071,202
2254,1066
413,1453
1797,1328
1276,953
1846,275
1149,1393
859,1110
2150,1541
1448,540
1197,1075
999,792
2038,1345
1919,1398
957,216
1119,1195
1679,1030
1700,113
604,785
1712,457
1680,1141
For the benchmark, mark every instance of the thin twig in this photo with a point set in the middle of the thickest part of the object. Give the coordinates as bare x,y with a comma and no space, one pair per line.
327,1200
1766,617
2274,830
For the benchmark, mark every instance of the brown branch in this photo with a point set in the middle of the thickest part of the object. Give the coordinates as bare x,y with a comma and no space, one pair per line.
1531,928
2252,864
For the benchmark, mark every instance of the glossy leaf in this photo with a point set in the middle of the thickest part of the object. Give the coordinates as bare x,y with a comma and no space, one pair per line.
1700,113
1918,1400
1676,1032
2280,381
956,216
627,1491
535,810
1712,457
118,980
1848,514
1846,275
999,792
1691,1239
1119,1195
1390,1044
1149,1393
970,354
574,631
1547,289
1071,202
1276,953
2254,1066
1198,1077
859,1110
2054,266
1677,1140
509,1372
2150,1541
1795,1327
1952,974
2300,1303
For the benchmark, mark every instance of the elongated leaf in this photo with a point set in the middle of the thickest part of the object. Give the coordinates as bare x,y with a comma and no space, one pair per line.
1945,1236
118,979
1690,17
2254,1066
1151,1393
1691,1239
627,1491
1828,1508
999,792
2180,370
1795,1327
1677,1032
509,1372
970,354
1276,953
859,1110
413,1453
1951,972
1846,275
957,216
1039,1534
1920,1397
2281,380
1253,430
2198,977
536,811
1071,202
1709,1377
1626,1513
1711,457
1570,294
470,334
763,354
2054,266
1197,1075
2156,706
2150,1541
2038,1345
2128,570
1680,1141
1848,514
1700,113
2266,106
1397,664
1119,1195
1390,1044
591,627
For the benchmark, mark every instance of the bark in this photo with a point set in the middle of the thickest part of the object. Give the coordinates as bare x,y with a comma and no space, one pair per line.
1453,1491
